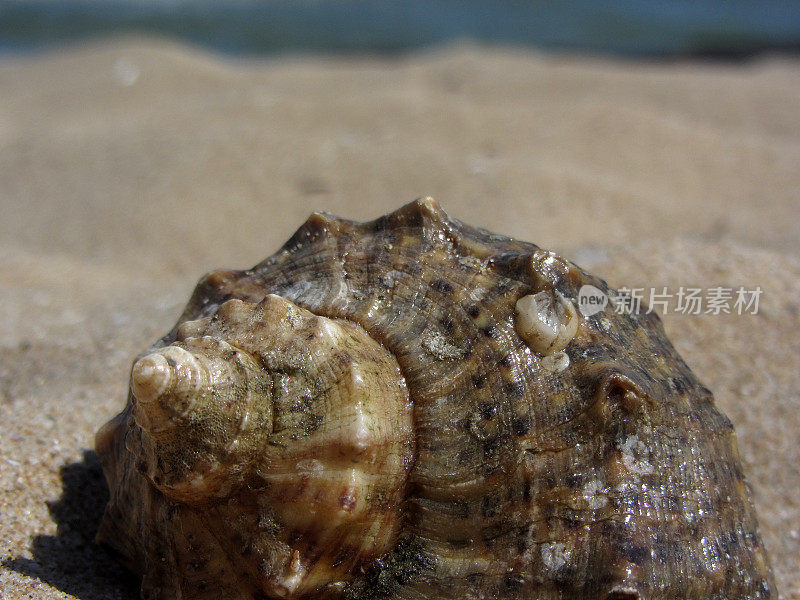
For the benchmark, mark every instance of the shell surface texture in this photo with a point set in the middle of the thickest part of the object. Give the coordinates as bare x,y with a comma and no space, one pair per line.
413,408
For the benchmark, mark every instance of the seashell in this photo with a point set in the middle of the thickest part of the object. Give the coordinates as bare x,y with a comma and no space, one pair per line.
412,408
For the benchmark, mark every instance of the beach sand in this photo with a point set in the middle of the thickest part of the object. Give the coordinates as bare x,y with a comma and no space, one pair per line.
130,167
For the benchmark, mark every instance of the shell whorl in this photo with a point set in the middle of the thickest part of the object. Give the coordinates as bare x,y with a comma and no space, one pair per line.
308,415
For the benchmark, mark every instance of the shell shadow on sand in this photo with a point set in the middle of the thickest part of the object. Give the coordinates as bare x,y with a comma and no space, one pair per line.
70,560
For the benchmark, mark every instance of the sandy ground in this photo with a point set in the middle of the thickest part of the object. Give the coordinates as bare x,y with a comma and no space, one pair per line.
129,168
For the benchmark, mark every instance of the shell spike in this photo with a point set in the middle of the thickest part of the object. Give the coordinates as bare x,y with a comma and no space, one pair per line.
425,210
318,226
429,205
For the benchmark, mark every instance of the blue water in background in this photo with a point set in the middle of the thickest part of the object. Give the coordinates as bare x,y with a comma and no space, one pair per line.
664,28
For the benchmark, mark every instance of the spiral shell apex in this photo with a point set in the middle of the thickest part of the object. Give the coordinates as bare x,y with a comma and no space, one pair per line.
413,408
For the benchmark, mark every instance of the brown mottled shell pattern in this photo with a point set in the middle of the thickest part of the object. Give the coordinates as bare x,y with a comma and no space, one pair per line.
366,414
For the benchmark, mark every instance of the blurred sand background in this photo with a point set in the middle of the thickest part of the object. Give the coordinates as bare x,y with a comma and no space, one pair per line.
129,168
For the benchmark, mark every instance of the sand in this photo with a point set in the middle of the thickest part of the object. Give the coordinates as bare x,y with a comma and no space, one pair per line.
130,167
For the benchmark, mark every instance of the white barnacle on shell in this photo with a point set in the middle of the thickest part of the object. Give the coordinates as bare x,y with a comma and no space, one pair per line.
547,321
635,455
554,555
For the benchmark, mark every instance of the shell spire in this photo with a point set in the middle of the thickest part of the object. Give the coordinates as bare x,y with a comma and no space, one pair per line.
202,393
166,384
304,418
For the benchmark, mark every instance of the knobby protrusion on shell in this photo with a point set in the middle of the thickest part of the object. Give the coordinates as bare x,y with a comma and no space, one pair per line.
413,408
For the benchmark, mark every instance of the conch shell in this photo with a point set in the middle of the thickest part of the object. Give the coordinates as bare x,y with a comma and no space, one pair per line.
413,408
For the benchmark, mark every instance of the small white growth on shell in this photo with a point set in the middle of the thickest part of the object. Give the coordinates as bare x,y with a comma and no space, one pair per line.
436,344
555,363
472,261
554,555
546,321
373,307
634,452
594,495
391,278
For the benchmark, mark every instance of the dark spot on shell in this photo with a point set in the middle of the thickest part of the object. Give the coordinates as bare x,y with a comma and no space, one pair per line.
523,539
487,410
729,542
635,554
678,385
312,423
512,583
564,577
515,389
294,537
491,533
442,286
615,393
473,311
466,456
488,506
459,544
521,425
489,331
490,447
345,554
479,381
474,579
407,563
673,503
592,352
490,469
447,325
